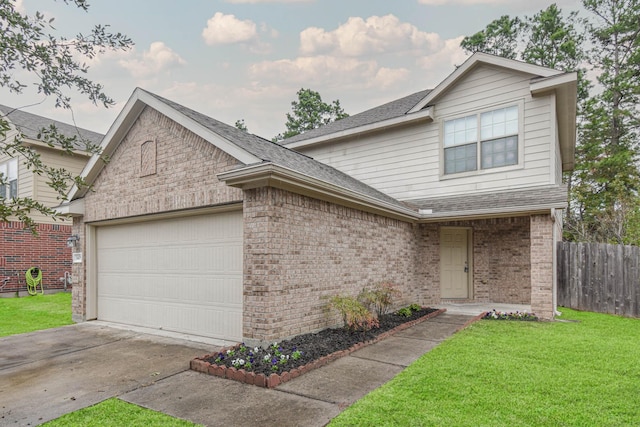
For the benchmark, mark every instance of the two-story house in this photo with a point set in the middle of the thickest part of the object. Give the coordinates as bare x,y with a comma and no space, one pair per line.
20,248
454,194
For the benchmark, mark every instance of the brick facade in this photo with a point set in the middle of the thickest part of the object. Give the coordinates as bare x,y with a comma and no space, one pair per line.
542,244
298,251
501,259
183,176
22,250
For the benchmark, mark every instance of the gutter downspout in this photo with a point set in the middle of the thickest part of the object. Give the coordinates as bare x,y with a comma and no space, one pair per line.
554,254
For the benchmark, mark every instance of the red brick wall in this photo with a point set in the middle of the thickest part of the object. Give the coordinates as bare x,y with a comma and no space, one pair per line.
21,250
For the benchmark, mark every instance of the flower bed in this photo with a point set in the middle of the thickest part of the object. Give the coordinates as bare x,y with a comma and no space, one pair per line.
282,361
503,315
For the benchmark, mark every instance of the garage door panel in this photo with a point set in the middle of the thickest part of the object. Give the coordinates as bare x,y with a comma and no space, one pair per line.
182,274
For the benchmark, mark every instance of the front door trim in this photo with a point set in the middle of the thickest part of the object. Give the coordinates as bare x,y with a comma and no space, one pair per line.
469,256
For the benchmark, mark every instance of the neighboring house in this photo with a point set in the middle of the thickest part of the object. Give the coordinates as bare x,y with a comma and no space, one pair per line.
454,194
20,249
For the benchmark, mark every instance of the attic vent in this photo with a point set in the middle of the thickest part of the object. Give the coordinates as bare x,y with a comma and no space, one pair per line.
148,158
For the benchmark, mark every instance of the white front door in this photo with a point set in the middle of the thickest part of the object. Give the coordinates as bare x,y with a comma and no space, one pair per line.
454,263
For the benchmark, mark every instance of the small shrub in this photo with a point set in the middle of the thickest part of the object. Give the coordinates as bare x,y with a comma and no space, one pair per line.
405,312
408,311
355,315
380,298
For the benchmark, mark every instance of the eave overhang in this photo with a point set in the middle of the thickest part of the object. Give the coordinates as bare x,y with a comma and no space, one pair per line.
491,213
565,87
73,208
425,115
271,175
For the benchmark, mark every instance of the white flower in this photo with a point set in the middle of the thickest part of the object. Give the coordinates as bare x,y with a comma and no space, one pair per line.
267,357
256,349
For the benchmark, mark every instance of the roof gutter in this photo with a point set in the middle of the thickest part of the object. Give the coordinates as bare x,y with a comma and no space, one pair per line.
491,213
269,174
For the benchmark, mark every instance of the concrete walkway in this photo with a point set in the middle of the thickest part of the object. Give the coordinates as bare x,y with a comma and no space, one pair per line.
46,374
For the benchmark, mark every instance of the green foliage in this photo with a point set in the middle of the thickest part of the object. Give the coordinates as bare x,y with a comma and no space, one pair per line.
603,189
310,112
408,311
579,373
604,204
29,46
499,38
380,298
241,125
405,312
355,316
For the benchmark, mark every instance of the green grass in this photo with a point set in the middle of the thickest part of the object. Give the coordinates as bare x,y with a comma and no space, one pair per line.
32,313
116,413
582,373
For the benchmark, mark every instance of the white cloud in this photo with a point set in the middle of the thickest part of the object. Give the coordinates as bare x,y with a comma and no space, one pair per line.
158,58
443,60
375,35
227,29
328,71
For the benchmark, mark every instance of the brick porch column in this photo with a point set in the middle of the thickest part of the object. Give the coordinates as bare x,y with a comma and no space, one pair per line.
542,266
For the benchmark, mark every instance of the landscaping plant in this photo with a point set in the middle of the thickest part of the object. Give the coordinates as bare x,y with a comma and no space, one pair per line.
379,299
356,317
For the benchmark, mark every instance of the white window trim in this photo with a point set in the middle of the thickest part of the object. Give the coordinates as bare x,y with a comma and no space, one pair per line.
479,171
5,170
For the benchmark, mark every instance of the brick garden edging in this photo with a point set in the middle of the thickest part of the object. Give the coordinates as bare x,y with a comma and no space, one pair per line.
199,364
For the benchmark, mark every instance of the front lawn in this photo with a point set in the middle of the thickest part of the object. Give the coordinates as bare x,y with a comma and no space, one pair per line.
584,371
32,313
116,413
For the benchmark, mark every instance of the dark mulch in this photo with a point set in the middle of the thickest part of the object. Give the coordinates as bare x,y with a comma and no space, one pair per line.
282,356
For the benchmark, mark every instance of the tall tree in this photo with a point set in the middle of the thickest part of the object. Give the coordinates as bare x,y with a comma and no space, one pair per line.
607,179
31,49
499,38
310,112
604,204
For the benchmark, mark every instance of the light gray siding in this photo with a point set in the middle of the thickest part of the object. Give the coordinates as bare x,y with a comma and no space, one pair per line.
405,162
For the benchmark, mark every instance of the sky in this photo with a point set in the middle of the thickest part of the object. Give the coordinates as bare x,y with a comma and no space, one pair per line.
246,59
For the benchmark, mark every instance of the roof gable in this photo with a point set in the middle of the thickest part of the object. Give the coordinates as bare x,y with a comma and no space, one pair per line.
474,61
248,149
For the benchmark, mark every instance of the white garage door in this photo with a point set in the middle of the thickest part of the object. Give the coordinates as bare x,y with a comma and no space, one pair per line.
180,274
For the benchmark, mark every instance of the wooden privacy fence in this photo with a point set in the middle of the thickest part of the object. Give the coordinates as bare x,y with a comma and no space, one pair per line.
599,277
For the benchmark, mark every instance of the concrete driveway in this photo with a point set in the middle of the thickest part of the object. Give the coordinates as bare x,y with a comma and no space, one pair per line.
46,374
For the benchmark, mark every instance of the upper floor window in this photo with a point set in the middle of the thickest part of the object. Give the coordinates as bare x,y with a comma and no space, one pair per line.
9,172
481,141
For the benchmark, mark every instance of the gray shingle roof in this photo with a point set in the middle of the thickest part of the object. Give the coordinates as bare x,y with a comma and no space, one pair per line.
274,153
30,125
387,111
541,196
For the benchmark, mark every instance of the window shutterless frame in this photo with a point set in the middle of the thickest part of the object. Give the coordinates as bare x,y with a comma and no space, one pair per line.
9,172
482,141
